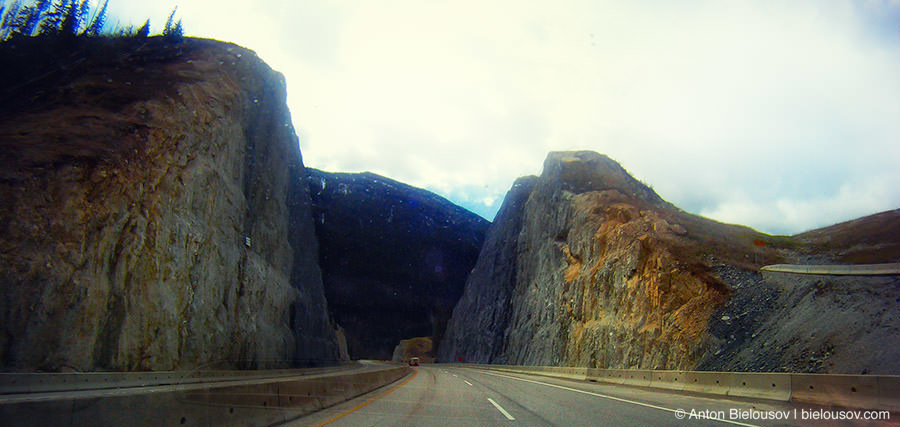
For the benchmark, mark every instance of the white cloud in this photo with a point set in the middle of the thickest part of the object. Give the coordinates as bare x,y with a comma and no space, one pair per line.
778,115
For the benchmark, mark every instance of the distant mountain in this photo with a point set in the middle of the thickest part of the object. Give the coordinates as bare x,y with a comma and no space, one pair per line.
586,266
394,257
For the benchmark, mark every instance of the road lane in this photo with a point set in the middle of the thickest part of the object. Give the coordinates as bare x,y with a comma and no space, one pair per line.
432,397
441,395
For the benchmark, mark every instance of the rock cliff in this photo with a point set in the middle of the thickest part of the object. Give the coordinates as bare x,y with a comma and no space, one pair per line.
585,266
394,258
155,212
476,331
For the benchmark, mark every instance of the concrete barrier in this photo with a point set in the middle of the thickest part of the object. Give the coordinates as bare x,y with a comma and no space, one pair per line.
11,383
854,391
668,380
707,382
889,392
758,385
247,402
632,377
870,392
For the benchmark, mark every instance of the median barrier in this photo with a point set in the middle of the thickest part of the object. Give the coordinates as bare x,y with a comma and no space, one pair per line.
632,377
889,392
11,383
854,391
247,402
707,382
667,380
870,392
758,385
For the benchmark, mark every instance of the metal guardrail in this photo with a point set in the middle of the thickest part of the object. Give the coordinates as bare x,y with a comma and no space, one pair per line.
836,270
871,392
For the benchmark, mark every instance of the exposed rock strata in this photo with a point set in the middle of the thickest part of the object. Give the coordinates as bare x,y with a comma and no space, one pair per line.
595,269
394,258
156,216
482,314
598,281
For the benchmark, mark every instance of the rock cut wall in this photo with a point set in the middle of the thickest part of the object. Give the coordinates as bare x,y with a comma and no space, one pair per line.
596,277
589,267
157,216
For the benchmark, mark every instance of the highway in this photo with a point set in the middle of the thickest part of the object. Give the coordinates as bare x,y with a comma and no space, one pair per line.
448,395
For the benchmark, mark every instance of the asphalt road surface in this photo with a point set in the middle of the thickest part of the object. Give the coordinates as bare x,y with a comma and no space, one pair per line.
440,395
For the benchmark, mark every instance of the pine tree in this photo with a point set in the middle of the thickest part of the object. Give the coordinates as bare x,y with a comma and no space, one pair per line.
30,16
8,17
52,21
168,25
173,30
144,31
99,20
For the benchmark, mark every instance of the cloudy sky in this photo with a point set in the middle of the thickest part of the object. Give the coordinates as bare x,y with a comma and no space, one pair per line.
781,115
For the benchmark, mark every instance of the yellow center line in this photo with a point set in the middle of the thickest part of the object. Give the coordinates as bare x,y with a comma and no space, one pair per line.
348,412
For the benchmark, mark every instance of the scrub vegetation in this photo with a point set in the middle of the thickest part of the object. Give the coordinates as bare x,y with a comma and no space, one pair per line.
70,19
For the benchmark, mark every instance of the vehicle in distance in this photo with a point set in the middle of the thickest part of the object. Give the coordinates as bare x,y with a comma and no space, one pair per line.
414,361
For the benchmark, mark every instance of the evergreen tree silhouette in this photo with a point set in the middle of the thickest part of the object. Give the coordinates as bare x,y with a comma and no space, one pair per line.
96,26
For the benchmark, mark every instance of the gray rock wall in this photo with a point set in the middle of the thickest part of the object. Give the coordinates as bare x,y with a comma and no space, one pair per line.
475,333
591,268
194,247
593,277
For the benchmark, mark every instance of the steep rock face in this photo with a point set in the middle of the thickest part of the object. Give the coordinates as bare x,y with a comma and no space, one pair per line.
156,216
485,304
394,258
598,279
607,274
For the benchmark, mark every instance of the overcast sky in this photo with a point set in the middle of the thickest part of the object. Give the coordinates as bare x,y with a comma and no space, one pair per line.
781,115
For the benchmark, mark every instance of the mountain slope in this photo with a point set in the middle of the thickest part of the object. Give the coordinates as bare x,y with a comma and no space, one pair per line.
394,257
607,274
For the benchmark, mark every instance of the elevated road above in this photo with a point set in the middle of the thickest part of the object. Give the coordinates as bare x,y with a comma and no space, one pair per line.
836,270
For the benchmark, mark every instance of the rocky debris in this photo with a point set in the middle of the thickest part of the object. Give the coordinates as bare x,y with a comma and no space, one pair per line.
158,225
394,257
735,324
421,347
815,324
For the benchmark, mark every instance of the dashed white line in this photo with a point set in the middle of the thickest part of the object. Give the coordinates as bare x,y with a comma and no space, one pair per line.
467,382
502,411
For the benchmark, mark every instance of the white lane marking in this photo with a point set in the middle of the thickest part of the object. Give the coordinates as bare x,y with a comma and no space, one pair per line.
467,382
502,411
618,399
